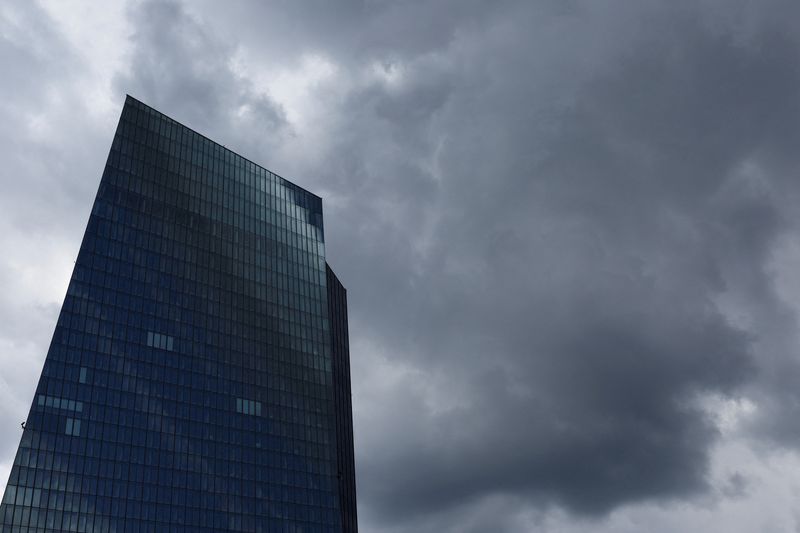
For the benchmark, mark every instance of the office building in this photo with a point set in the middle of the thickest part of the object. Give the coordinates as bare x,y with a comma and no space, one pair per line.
198,377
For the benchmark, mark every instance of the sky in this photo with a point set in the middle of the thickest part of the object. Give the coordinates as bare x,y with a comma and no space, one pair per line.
569,230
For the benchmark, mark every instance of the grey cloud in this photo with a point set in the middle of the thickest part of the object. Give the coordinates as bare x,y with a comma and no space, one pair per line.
47,154
178,65
580,240
35,59
355,31
538,221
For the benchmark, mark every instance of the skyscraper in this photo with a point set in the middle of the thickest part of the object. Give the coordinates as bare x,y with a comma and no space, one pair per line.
198,378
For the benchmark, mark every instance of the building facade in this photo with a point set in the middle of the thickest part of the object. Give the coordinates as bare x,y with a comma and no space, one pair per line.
198,377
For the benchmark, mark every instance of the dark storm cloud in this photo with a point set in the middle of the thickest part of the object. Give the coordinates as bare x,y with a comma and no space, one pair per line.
536,216
578,238
546,215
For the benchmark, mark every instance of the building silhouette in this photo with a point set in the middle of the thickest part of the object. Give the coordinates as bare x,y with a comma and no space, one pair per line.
198,377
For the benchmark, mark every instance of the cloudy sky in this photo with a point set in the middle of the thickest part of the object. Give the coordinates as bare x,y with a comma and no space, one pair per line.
570,230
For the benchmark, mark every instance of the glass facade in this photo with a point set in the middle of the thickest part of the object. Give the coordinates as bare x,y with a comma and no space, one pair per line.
340,352
198,377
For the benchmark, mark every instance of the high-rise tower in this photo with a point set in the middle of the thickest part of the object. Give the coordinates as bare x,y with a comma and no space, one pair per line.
198,378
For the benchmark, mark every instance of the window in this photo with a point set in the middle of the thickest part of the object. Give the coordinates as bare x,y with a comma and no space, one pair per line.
163,342
73,427
248,407
59,403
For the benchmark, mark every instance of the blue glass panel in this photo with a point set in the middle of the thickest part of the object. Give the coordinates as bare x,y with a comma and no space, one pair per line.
197,379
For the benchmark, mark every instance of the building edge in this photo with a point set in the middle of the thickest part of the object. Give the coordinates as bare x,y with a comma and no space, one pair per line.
340,351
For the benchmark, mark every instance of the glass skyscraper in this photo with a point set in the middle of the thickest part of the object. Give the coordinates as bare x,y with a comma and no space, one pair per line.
198,378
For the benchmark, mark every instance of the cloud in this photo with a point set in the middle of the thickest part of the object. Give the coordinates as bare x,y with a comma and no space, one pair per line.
548,254
177,64
50,144
567,230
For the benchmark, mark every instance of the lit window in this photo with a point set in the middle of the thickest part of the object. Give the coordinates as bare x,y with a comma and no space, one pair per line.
162,342
73,427
248,407
59,403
